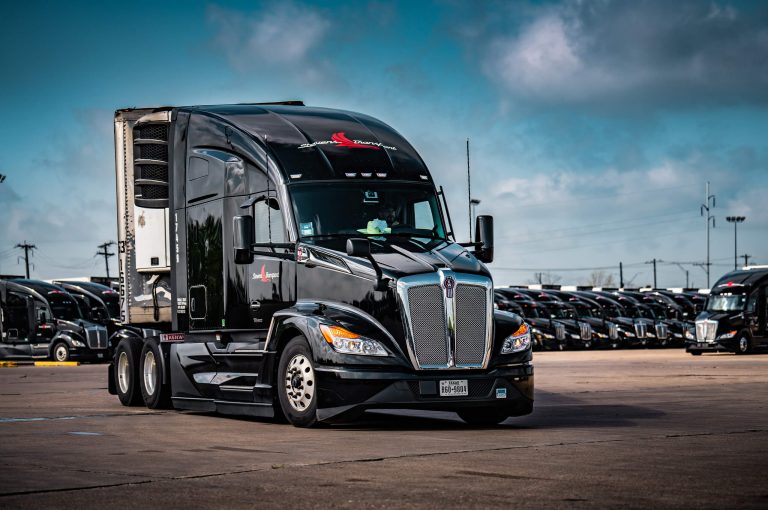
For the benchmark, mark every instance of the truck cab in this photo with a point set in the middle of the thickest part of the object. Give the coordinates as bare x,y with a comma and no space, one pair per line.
18,324
301,261
734,317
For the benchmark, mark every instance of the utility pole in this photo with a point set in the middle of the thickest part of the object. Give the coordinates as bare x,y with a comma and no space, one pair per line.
469,193
106,253
735,220
621,275
654,270
27,248
2,178
746,259
706,207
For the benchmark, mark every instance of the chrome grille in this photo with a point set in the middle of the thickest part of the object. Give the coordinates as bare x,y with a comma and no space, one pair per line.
471,303
427,312
585,331
640,329
448,319
661,331
559,331
97,337
706,330
613,331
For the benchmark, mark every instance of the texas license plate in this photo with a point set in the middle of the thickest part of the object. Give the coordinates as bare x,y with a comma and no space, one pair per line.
454,388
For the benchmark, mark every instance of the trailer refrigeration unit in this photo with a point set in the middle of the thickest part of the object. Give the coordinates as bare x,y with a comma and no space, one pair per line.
300,262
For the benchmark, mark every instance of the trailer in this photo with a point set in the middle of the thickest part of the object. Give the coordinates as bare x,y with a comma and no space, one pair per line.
299,262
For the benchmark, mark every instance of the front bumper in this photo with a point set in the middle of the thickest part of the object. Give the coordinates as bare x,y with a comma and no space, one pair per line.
344,392
729,345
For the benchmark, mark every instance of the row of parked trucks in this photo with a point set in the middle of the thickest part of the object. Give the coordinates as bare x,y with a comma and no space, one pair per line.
59,320
729,317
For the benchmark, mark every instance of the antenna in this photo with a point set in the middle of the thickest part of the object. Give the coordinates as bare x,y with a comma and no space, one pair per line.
469,194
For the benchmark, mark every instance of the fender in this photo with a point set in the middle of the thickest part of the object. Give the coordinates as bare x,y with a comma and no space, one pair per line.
506,323
306,316
67,338
120,334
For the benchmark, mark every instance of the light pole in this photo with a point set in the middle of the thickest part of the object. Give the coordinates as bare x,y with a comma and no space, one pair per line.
735,220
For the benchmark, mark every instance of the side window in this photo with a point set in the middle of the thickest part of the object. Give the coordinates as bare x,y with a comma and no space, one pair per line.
422,214
752,303
267,218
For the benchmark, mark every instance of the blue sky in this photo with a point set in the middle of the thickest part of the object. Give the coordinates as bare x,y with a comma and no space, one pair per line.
593,125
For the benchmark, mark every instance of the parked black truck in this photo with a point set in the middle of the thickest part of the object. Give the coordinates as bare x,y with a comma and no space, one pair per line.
546,332
300,261
735,317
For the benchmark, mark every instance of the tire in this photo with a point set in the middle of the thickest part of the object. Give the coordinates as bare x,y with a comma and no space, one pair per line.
60,352
615,344
126,362
587,345
155,394
483,416
744,346
560,347
296,384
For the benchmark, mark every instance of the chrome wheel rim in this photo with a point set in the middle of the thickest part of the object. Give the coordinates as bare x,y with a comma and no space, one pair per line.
61,353
150,372
743,344
123,372
300,382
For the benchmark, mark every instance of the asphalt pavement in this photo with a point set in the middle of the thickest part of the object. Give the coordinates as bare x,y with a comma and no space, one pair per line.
611,429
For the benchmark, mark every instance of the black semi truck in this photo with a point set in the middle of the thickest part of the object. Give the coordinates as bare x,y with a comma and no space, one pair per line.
18,324
735,317
300,262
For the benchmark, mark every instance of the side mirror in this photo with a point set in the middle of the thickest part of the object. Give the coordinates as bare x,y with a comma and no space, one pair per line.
484,238
242,238
358,248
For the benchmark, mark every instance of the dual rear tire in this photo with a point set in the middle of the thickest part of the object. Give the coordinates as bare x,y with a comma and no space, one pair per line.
139,374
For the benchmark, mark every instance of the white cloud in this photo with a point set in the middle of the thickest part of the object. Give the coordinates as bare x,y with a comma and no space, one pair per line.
284,34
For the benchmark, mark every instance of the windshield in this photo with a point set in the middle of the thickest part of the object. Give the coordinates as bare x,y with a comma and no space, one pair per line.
63,306
557,312
529,310
726,302
582,310
374,208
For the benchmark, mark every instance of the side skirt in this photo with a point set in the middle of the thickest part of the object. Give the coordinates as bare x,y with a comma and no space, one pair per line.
224,407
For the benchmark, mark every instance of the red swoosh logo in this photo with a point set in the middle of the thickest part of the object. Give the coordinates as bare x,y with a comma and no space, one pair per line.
342,141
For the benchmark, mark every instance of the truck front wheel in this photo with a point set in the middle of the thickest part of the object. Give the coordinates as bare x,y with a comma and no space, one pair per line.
156,395
744,346
296,384
126,362
61,352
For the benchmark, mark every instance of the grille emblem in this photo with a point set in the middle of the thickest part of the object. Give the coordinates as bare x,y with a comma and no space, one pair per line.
449,284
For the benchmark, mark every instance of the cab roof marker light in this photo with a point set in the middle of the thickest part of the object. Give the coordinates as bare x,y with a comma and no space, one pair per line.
423,177
366,174
351,174
296,176
381,175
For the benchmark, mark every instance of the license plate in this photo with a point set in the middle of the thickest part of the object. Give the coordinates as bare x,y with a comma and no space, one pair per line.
454,388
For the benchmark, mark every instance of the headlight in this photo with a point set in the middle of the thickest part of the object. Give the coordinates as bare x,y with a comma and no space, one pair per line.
725,336
518,341
626,333
689,335
602,335
346,342
77,343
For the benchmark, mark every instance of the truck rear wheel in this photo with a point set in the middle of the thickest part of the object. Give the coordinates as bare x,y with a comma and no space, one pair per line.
483,416
127,371
296,384
156,395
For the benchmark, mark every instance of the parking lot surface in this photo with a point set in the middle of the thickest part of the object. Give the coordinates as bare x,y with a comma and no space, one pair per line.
630,429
